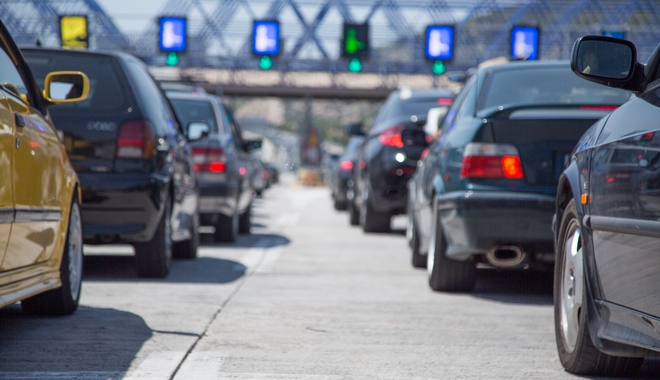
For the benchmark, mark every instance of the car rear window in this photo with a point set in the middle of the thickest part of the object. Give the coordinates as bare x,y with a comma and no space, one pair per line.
547,86
189,111
419,106
108,91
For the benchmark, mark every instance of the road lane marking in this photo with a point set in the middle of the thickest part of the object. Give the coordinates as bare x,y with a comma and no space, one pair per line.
157,365
202,365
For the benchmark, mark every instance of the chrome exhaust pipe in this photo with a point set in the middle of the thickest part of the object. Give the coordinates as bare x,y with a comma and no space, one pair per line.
505,256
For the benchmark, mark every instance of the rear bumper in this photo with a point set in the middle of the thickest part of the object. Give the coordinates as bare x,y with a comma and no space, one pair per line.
218,198
475,222
121,207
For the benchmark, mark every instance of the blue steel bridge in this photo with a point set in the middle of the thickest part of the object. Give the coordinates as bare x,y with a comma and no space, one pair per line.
219,32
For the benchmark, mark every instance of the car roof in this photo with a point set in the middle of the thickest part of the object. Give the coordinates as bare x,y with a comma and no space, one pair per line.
517,65
407,94
118,54
190,96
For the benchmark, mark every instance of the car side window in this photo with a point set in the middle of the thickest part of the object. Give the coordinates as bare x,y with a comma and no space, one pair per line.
9,74
456,109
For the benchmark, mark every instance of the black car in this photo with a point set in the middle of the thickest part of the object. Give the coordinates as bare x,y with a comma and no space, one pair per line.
388,157
135,168
221,158
607,225
486,189
342,173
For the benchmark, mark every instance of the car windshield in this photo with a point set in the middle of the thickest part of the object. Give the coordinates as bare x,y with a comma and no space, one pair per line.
189,111
547,86
107,92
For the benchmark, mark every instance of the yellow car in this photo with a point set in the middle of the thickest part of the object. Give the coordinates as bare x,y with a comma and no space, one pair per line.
40,229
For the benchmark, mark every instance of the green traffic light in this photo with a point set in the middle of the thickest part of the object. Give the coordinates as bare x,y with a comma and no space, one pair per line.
265,63
172,59
352,45
438,67
354,65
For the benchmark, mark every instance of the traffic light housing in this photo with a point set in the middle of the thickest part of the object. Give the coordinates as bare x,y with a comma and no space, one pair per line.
266,42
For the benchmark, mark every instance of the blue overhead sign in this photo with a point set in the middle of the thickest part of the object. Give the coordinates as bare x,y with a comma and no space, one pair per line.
620,34
525,42
439,42
266,38
172,34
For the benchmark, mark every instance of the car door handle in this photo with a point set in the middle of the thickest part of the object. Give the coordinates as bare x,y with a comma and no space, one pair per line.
20,123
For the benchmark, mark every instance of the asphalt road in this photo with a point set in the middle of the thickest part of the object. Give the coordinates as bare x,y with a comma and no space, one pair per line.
305,296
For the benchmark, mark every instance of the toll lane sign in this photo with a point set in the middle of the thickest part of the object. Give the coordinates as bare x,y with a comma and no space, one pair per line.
172,35
439,42
74,32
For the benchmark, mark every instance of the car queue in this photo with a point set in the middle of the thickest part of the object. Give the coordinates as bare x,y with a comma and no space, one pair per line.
546,166
96,153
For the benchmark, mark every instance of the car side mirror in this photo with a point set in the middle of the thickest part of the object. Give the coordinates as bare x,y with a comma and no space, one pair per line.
354,129
608,61
66,87
251,145
197,130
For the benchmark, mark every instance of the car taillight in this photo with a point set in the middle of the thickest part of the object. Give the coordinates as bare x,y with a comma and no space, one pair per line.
265,174
599,108
491,161
392,137
136,139
209,160
346,165
614,176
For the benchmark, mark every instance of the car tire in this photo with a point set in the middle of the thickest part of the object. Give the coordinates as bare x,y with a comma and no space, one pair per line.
154,258
353,214
339,205
187,249
418,260
226,229
576,350
244,221
445,274
63,300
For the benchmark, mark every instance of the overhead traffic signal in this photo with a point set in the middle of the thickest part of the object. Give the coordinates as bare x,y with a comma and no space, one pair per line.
525,42
74,32
265,42
355,41
173,34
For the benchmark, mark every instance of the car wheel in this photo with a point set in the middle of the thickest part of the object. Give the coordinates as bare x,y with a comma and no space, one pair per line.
418,260
445,274
226,230
353,214
187,249
577,352
154,258
370,219
63,300
244,221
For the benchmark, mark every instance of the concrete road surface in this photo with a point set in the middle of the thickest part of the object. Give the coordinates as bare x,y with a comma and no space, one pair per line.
305,296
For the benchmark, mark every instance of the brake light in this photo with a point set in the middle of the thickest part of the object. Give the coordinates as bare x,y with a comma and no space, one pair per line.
491,161
136,139
614,176
599,108
346,165
265,174
209,160
445,101
392,137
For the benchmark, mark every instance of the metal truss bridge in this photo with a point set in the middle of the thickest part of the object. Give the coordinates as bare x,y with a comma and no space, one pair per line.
219,31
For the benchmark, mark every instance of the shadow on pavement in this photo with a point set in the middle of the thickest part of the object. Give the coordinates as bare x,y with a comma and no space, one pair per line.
247,241
519,287
103,340
201,270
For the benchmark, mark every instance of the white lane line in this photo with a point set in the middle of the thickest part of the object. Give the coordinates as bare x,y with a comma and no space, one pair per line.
203,365
270,259
157,365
